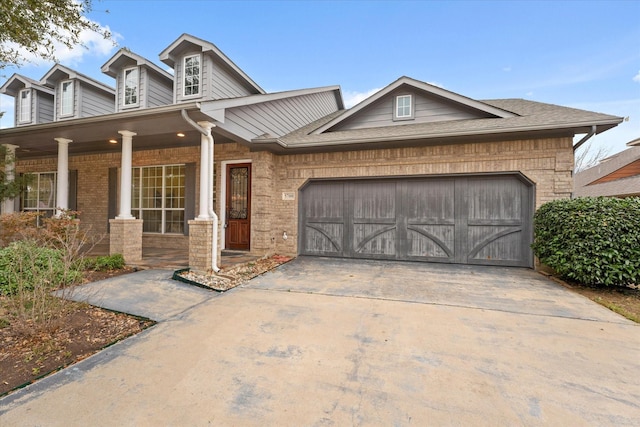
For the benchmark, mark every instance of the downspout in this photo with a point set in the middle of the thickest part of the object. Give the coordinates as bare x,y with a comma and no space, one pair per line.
585,138
209,189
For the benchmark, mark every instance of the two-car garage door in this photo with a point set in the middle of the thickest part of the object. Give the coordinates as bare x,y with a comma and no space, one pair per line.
454,219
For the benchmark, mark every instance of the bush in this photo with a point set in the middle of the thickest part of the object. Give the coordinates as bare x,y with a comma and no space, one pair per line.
25,265
590,240
105,263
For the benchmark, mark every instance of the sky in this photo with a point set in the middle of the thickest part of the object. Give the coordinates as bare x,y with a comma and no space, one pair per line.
580,54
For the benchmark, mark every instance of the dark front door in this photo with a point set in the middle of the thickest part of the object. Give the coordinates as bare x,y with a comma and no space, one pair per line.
238,225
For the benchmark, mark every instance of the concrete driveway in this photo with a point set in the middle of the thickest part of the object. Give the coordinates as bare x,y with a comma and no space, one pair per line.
322,342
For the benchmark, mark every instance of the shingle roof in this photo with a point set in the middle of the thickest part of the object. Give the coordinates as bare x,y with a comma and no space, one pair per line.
619,187
531,116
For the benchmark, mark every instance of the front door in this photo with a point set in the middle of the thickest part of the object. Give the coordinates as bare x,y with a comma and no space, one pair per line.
238,214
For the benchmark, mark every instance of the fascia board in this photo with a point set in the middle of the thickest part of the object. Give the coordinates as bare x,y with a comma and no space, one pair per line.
437,135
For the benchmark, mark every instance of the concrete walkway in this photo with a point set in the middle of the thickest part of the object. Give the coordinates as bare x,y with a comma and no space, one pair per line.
148,293
334,342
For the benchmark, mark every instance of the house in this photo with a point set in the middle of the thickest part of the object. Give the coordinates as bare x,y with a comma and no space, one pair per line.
617,175
204,159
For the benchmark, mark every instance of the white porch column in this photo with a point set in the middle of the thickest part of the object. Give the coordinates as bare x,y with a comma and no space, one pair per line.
125,175
206,169
10,174
62,189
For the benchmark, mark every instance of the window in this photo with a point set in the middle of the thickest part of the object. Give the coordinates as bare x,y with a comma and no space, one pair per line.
404,107
24,106
158,198
66,102
40,194
192,75
130,96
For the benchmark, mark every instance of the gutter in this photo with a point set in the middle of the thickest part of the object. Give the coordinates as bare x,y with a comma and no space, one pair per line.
585,138
473,132
208,188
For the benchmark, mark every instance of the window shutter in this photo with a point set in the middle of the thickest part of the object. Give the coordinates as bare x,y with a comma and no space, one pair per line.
112,210
73,190
189,195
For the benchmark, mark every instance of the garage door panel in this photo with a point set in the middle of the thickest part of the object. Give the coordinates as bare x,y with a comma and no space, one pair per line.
494,198
323,223
374,239
462,219
323,239
434,242
372,201
429,203
495,243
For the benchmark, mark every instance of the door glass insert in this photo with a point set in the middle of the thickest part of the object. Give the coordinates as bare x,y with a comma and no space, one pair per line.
238,208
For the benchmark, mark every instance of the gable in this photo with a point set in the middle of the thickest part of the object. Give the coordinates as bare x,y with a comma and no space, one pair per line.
425,108
632,169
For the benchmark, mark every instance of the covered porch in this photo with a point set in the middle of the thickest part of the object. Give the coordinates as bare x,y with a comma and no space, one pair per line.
115,141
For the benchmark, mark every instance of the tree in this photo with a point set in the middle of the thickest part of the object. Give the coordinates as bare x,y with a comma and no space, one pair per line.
588,156
35,26
11,184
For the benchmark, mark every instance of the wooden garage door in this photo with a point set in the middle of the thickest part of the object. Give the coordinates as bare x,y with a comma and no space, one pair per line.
461,219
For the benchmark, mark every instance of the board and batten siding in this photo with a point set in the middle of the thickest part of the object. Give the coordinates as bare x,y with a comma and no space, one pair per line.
427,109
282,116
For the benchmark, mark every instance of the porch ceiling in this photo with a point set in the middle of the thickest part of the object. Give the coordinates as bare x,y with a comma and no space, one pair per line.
91,135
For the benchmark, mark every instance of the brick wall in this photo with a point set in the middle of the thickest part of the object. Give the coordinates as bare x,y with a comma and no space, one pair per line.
546,162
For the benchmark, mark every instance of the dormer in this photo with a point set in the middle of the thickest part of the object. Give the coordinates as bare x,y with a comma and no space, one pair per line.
139,82
33,101
77,95
203,73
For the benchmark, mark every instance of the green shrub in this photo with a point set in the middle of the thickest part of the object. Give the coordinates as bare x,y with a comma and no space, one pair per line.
590,240
105,263
25,264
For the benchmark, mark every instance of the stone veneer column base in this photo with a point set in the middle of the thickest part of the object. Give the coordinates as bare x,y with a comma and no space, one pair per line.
200,245
125,237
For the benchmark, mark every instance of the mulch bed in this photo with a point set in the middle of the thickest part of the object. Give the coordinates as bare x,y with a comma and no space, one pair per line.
85,330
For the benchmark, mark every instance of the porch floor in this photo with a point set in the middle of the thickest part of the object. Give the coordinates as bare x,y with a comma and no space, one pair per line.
174,259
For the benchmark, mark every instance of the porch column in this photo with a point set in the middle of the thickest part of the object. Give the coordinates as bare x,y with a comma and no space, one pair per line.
62,189
206,168
125,236
203,230
125,175
10,174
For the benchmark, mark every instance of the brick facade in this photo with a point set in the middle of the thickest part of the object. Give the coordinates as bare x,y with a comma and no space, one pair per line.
548,163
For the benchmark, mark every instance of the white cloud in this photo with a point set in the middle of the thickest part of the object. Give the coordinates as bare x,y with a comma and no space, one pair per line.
636,78
352,98
6,107
94,45
440,85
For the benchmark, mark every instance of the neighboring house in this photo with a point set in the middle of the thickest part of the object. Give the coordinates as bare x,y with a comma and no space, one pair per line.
617,175
415,172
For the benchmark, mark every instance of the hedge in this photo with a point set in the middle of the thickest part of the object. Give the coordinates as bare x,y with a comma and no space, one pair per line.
590,240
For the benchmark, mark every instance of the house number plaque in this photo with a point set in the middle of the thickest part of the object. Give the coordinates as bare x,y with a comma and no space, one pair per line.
288,195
